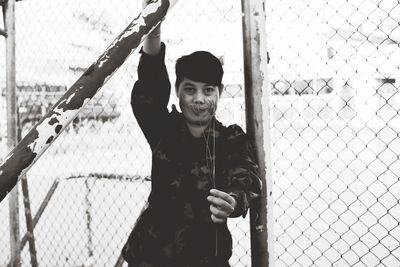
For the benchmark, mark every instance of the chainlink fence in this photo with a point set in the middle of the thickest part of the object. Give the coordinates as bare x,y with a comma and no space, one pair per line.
334,78
334,106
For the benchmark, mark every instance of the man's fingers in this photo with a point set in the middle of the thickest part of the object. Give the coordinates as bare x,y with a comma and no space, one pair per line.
216,201
221,194
221,204
217,216
217,212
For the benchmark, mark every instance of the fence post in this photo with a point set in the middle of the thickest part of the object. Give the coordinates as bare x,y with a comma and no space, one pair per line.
256,93
9,23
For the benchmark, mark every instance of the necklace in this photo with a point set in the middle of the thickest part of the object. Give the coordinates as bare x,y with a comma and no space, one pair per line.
210,152
210,162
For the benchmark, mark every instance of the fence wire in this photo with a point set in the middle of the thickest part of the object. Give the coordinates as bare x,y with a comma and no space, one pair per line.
334,79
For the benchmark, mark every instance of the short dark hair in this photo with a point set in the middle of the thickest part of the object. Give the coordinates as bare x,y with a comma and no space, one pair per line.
200,66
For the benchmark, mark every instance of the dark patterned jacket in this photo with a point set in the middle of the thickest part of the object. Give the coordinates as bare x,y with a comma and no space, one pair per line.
175,228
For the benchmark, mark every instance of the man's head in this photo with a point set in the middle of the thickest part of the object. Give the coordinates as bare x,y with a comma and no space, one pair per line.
198,86
200,66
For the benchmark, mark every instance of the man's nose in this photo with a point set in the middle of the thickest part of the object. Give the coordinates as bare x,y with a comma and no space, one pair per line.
198,97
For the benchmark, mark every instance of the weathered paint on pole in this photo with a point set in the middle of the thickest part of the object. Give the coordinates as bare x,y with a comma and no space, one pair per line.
33,145
258,124
9,23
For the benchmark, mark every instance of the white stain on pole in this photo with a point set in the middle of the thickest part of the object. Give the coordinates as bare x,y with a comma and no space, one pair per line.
47,131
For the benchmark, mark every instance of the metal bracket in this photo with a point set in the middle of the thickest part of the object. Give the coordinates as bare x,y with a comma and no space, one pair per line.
3,32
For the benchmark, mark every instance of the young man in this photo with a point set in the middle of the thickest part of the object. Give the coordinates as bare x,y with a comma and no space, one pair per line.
202,172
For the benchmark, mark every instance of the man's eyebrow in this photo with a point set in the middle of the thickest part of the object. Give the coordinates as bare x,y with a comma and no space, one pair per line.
188,83
192,84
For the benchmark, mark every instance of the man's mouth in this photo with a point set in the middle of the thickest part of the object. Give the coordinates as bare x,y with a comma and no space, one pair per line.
199,110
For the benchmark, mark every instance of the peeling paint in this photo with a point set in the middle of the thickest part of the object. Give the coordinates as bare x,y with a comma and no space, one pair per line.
53,121
50,140
44,131
103,60
151,8
69,98
134,28
58,128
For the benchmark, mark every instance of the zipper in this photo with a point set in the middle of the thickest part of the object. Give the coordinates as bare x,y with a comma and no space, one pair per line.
216,242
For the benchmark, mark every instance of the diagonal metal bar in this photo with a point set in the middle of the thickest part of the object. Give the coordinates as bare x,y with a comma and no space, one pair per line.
35,143
29,222
39,213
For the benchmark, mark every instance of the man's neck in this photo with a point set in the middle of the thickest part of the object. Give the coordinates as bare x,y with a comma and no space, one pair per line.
195,129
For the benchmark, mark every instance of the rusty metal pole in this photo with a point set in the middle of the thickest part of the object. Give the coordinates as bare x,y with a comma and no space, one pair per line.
37,140
9,19
257,119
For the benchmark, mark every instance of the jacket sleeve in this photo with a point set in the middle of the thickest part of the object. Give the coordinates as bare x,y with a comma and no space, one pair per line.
244,183
150,96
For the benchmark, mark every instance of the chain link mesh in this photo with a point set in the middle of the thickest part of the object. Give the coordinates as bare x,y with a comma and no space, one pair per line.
334,79
91,184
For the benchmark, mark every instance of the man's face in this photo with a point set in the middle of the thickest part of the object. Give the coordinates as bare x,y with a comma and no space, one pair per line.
198,101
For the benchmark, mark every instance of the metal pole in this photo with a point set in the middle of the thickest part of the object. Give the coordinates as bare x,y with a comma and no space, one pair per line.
256,94
9,17
27,206
35,143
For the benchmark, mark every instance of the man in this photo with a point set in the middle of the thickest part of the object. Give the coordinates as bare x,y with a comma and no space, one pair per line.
202,172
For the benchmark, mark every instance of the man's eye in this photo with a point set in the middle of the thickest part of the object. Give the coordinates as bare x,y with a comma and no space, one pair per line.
188,89
209,90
